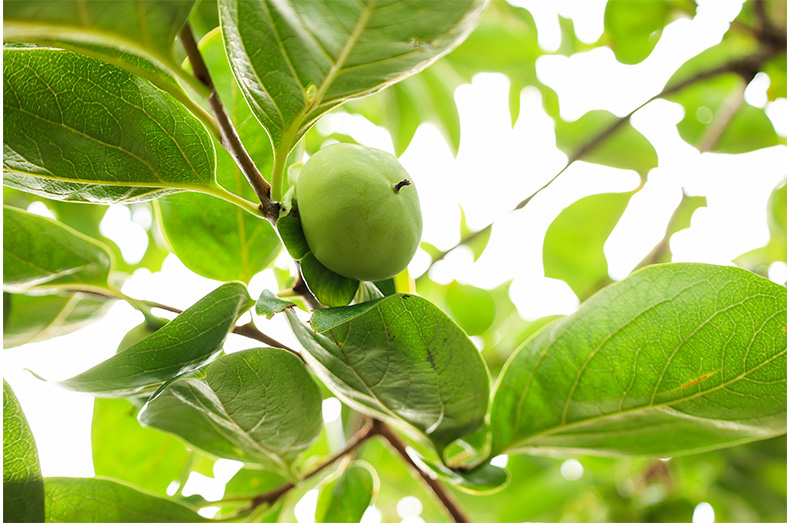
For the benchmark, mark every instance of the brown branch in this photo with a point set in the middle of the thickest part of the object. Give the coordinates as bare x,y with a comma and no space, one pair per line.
230,138
248,331
364,434
449,503
747,67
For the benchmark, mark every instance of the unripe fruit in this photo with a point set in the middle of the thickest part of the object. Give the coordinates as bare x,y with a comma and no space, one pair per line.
359,210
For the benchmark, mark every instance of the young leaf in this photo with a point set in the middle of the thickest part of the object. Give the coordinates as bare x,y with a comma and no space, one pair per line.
344,499
109,501
79,129
268,304
674,359
329,287
212,237
401,358
259,406
297,60
182,345
38,318
40,254
124,450
147,30
573,245
23,487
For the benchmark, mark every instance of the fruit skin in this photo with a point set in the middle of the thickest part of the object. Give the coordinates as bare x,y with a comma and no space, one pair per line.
355,221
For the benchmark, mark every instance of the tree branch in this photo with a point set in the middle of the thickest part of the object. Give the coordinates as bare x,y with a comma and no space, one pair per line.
229,137
364,434
747,67
448,502
248,331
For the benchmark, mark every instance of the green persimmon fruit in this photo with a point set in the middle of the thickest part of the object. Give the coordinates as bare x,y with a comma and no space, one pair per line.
359,210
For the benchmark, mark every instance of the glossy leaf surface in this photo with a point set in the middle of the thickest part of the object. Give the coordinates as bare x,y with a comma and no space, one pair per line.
674,359
107,501
297,60
401,358
42,254
182,345
148,29
215,238
79,129
259,406
344,499
23,487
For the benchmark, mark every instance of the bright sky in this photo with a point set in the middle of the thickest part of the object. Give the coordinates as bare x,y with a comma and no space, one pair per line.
497,166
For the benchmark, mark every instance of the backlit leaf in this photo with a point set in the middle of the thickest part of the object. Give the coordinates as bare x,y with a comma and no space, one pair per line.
23,488
79,129
674,359
182,345
297,60
41,254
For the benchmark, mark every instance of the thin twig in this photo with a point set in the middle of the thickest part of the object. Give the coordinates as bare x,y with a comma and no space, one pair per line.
449,503
367,432
744,66
248,331
230,138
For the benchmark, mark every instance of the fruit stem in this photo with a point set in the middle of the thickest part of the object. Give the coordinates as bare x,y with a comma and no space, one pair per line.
401,184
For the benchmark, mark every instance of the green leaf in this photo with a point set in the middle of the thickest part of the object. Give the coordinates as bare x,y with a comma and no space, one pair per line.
483,479
23,487
214,238
632,29
758,260
268,304
674,359
748,130
329,287
626,148
40,254
108,501
400,358
297,60
290,228
473,308
124,450
79,129
344,499
148,30
259,406
573,245
37,318
181,346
